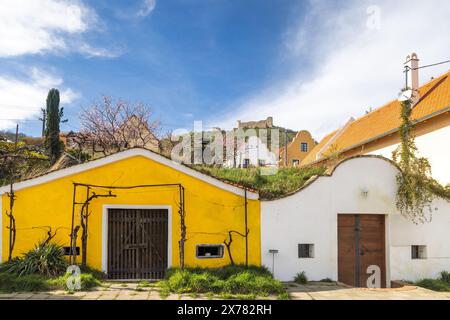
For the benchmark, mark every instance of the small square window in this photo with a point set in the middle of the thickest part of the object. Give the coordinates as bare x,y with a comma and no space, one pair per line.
68,251
205,251
295,163
246,163
418,252
261,163
306,250
304,147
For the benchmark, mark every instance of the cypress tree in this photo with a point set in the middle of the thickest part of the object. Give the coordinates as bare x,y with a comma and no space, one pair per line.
53,144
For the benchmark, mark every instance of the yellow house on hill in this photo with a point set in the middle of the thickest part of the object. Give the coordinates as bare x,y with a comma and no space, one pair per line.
133,215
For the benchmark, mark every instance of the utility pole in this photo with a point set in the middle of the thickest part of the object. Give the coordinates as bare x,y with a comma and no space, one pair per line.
43,119
285,148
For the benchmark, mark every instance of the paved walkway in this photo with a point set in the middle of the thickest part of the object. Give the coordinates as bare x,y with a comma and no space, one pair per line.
324,291
108,291
312,291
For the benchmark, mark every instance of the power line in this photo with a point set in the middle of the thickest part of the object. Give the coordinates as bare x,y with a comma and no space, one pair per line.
432,65
407,68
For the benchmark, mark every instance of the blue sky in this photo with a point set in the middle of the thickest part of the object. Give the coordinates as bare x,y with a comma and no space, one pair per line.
310,64
186,59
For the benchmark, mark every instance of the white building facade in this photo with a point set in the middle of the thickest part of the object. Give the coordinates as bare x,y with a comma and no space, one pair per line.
313,219
252,152
435,147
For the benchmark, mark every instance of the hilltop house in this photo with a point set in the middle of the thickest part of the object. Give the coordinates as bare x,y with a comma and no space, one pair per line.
297,150
262,149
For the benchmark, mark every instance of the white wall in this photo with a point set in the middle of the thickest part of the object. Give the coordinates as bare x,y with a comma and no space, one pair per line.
435,235
254,150
310,216
435,147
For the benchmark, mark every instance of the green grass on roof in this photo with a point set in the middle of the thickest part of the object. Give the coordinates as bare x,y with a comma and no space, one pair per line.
285,181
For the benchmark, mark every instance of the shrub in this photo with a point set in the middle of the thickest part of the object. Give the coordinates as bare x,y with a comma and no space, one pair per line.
283,296
433,284
301,278
46,259
10,282
231,280
445,277
87,281
100,275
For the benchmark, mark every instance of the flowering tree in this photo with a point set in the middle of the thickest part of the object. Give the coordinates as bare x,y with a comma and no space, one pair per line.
110,127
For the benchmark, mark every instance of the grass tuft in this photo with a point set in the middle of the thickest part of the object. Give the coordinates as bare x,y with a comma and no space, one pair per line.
301,278
230,281
87,281
433,284
440,284
285,181
28,283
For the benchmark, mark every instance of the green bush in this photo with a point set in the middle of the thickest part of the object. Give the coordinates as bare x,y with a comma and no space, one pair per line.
301,278
45,259
100,275
10,282
87,281
445,277
231,280
433,284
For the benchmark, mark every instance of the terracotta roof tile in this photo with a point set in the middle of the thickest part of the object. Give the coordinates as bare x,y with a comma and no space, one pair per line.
435,96
311,157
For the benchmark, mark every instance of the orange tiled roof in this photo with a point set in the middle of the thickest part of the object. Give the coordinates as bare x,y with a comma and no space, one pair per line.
434,96
311,156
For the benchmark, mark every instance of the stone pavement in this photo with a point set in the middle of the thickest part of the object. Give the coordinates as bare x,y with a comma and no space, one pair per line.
327,291
312,291
108,291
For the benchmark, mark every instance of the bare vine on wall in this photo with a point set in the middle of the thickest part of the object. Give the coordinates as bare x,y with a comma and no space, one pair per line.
15,159
12,223
182,215
84,215
229,241
416,187
50,233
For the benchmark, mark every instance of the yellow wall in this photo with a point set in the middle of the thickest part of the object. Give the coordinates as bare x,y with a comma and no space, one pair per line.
210,211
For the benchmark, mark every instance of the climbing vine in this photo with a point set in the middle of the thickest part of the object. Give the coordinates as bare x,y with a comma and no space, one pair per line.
416,187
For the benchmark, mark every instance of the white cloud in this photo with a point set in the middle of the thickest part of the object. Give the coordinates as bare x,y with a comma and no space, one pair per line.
146,8
42,26
23,99
93,52
353,67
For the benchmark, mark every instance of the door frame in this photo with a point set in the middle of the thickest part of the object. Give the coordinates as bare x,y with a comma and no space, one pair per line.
387,246
105,208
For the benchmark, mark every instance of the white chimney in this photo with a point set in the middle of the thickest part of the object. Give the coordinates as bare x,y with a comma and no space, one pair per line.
412,76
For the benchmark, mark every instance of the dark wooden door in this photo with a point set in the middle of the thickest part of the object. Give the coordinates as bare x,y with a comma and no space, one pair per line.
361,243
137,243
